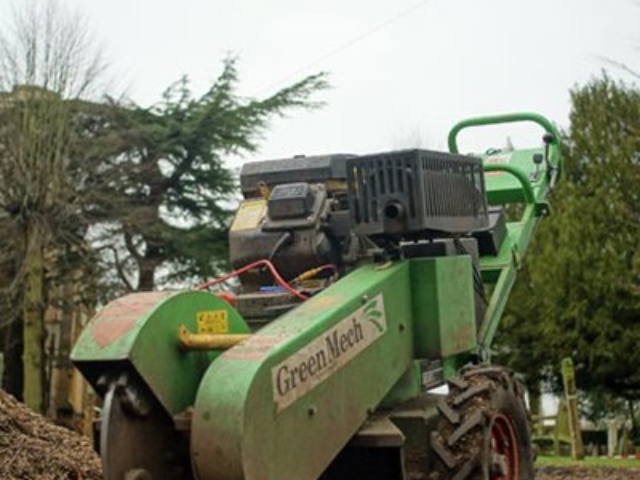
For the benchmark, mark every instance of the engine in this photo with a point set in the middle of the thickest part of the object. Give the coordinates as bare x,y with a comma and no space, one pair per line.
315,218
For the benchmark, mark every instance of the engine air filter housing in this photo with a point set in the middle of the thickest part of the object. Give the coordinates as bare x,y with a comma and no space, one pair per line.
416,192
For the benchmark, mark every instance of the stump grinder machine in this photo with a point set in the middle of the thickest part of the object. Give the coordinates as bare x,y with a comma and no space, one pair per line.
360,285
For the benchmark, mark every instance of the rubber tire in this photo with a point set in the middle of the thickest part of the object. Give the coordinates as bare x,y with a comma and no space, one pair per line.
462,443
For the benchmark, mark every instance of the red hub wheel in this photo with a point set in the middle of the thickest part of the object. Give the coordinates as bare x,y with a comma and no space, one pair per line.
483,432
505,457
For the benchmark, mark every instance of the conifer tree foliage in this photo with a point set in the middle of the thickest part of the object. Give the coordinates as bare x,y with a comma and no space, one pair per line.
580,295
163,197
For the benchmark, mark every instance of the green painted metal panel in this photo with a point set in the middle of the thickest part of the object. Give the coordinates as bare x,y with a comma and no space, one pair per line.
282,404
139,332
113,330
443,306
408,386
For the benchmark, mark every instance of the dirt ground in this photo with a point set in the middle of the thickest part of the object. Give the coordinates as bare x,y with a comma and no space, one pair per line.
33,448
588,473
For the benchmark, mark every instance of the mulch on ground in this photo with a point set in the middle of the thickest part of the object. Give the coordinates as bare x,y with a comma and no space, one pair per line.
587,473
33,448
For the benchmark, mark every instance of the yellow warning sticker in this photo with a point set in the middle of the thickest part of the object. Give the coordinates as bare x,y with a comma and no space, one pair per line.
213,321
249,215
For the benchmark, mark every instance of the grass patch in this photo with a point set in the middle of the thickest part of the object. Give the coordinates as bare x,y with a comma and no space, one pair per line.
545,460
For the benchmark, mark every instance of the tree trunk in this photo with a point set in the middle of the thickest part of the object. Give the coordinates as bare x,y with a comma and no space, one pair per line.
146,281
33,311
12,348
147,266
61,366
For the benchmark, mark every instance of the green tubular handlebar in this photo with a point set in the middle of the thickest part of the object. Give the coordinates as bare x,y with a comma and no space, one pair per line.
497,119
527,190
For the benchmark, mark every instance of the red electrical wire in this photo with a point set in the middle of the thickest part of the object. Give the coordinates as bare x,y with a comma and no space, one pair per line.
281,281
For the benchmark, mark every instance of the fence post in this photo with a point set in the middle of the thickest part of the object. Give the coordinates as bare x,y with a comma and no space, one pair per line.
570,392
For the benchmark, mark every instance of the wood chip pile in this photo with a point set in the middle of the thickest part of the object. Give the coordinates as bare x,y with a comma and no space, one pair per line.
33,448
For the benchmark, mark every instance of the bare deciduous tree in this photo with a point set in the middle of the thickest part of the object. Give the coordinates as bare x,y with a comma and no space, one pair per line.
49,66
50,46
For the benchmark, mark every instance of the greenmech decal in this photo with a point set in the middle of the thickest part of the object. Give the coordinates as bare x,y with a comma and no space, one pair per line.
311,365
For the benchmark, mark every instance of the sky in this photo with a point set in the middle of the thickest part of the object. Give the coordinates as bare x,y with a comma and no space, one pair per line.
402,72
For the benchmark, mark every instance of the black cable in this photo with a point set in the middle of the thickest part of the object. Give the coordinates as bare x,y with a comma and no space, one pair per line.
285,238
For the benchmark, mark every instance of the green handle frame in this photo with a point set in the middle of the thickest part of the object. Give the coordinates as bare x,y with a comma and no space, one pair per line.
498,119
500,271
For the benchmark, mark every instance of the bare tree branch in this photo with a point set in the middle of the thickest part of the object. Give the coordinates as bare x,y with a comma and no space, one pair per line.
49,46
120,269
619,65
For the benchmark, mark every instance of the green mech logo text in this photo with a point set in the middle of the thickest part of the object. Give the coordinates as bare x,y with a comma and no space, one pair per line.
309,366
